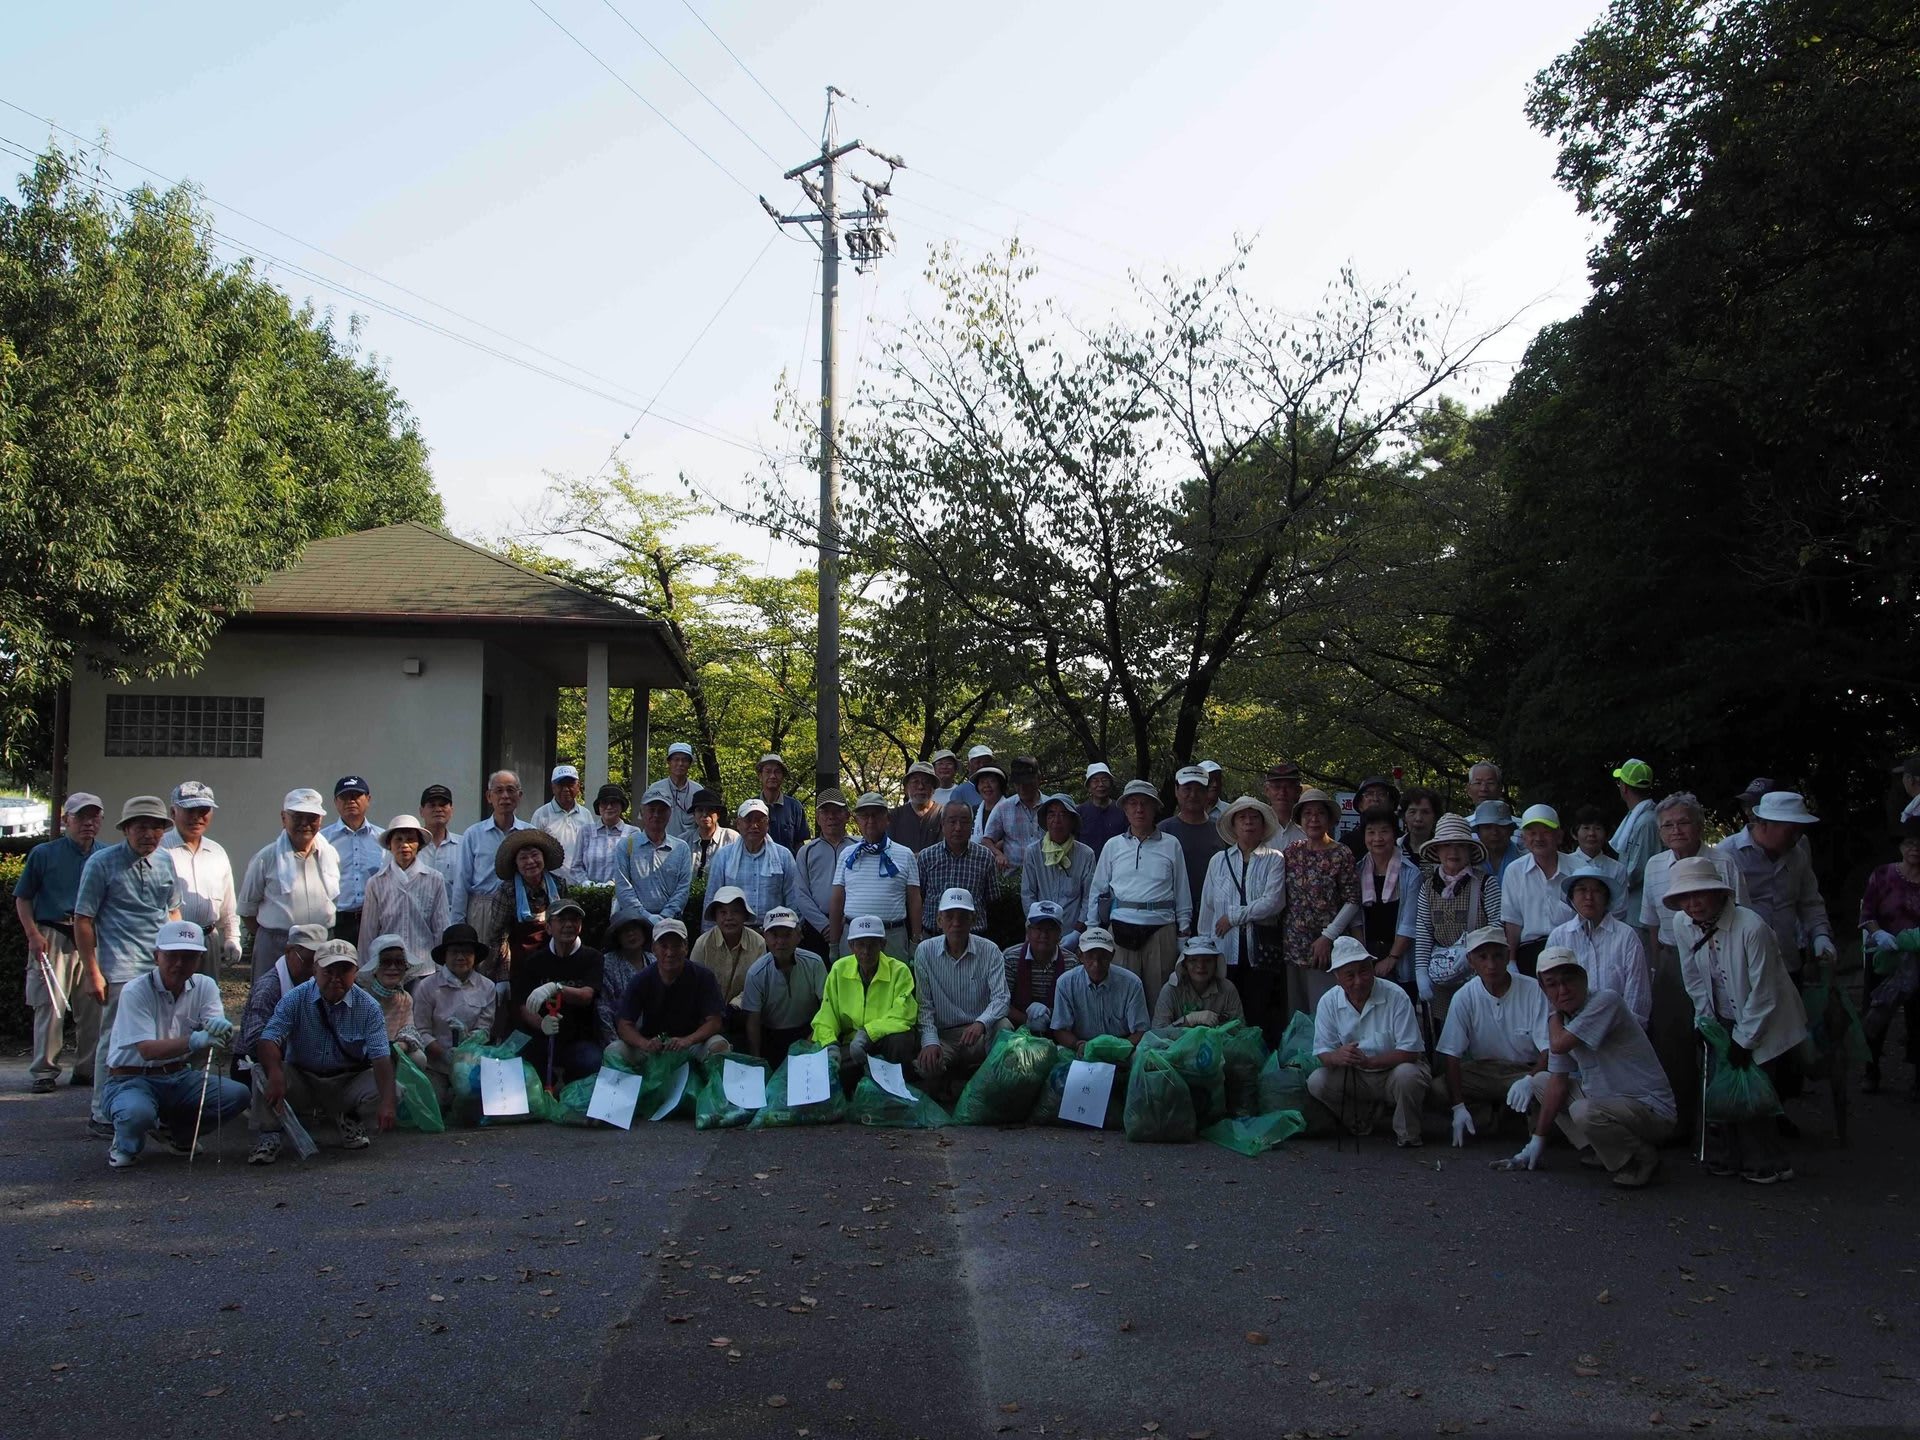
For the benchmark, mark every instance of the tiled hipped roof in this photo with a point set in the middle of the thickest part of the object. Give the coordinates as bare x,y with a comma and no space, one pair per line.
413,569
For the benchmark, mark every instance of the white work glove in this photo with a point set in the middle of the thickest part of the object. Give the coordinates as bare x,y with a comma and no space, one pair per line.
198,1041
230,953
549,1024
542,994
1527,1159
1202,1017
1426,989
1823,947
1883,940
1462,1126
1520,1095
219,1027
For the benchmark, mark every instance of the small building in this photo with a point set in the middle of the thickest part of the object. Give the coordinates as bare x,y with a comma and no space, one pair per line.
401,654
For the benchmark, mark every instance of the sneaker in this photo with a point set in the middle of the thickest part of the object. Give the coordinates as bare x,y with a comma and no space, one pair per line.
266,1149
353,1134
99,1129
119,1159
1767,1175
45,1084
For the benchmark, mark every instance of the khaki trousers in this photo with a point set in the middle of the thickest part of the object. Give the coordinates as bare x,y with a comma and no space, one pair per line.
1345,1087
1488,1080
354,1093
108,1014
51,1008
1625,1134
958,1062
1154,961
634,1059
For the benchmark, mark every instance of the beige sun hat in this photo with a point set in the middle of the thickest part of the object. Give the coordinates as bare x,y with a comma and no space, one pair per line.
1696,875
1317,797
1246,802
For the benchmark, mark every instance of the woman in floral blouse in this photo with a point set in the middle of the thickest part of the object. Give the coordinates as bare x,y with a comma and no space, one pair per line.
1323,899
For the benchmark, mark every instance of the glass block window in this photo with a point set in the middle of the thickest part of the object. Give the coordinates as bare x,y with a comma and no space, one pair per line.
199,726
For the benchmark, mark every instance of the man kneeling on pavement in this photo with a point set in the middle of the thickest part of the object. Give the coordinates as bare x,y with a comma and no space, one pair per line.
1495,1039
1621,1106
960,985
168,1030
325,1049
1368,1041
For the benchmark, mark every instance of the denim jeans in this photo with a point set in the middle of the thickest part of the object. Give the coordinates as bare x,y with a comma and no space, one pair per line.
134,1102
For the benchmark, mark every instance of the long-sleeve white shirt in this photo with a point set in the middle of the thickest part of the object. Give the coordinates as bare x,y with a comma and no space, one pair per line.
1531,899
1141,882
308,901
1615,958
1244,890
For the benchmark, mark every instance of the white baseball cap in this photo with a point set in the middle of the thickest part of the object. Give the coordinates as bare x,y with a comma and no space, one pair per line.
304,802
1097,937
670,926
958,898
980,752
80,800
1348,951
1045,910
181,935
1189,775
1199,945
308,937
679,747
780,918
1099,767
336,952
563,772
1212,767
754,806
1558,957
866,927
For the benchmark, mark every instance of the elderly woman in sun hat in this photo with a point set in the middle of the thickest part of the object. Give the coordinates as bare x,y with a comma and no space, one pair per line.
452,1003
1140,891
1734,973
1609,949
385,978
513,922
1240,905
1457,896
1058,867
406,896
1323,899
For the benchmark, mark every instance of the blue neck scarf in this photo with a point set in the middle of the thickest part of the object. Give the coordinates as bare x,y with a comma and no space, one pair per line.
520,911
873,847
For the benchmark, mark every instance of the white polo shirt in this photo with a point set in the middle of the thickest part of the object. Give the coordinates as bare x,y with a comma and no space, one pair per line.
870,890
1386,1023
149,1011
1532,900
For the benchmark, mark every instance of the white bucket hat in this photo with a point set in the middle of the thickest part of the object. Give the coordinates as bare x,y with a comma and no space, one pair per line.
1616,884
1786,806
1348,951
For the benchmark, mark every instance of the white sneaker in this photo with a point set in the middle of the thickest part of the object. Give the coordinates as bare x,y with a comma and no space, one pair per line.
119,1159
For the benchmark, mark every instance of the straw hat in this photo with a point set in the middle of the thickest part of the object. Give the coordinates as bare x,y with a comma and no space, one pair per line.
1453,830
503,858
1246,802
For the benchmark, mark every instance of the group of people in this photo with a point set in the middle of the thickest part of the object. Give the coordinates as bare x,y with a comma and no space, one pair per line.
1453,962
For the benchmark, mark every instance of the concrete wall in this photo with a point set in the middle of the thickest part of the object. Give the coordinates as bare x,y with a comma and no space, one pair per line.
334,706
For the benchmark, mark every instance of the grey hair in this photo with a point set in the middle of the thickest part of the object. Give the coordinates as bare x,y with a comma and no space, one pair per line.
1682,800
511,775
1485,765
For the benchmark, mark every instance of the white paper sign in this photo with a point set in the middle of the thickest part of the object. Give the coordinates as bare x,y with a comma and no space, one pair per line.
744,1085
503,1091
807,1080
615,1093
1089,1084
886,1074
675,1092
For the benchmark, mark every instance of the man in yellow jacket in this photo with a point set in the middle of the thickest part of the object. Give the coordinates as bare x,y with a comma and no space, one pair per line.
868,1007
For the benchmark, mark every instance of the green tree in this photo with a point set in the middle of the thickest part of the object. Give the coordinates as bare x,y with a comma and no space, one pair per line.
171,431
1711,470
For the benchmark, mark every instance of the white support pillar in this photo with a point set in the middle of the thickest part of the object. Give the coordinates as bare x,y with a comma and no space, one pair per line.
642,739
595,766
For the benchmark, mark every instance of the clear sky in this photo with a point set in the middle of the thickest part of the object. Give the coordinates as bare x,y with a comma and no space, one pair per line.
478,157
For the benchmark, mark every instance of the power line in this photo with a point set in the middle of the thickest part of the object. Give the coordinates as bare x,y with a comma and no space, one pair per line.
805,133
687,354
627,85
695,88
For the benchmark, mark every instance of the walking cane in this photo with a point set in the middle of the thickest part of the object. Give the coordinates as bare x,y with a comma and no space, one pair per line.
1703,1102
206,1078
60,1007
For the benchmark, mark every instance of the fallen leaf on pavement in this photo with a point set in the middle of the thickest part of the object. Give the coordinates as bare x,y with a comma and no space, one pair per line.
210,1394
1011,1407
776,1402
719,1342
1256,1337
1605,1297
836,1384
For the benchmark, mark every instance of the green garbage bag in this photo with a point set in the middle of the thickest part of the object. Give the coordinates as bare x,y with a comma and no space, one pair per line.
1284,1087
1003,1089
873,1106
1046,1110
712,1110
1243,1050
1734,1092
419,1107
1256,1134
1296,1045
1159,1104
1110,1050
779,1113
466,1082
1197,1055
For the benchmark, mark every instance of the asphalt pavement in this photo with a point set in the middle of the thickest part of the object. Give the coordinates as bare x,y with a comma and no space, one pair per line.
840,1281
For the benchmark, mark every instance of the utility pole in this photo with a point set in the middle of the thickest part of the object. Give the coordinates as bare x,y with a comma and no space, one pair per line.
866,238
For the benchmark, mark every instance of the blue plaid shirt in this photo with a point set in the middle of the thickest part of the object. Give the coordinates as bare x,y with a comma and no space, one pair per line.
304,1039
128,898
593,854
973,870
